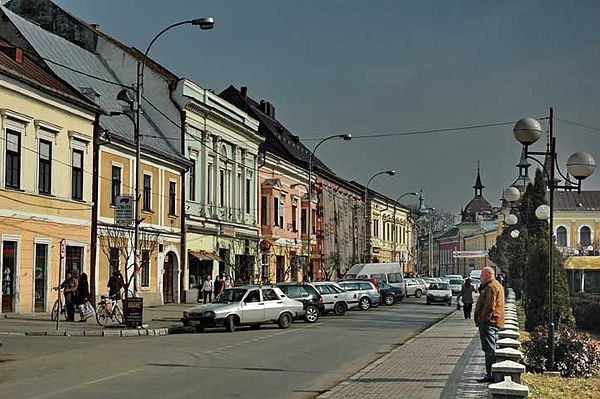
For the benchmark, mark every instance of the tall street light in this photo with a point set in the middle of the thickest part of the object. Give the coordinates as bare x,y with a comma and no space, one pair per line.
580,165
345,137
395,235
385,172
204,24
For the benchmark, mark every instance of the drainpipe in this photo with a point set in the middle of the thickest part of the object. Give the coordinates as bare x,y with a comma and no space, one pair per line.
94,233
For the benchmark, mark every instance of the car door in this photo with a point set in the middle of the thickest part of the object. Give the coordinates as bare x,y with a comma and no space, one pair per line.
273,304
253,308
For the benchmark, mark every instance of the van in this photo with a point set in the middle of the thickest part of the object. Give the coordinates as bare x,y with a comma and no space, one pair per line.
390,273
475,274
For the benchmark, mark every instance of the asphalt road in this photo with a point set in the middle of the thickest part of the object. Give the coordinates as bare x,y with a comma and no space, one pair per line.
299,362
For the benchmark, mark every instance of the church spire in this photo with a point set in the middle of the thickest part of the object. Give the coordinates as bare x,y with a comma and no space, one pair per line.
478,186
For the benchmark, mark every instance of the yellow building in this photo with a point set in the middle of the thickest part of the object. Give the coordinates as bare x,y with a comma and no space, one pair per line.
46,153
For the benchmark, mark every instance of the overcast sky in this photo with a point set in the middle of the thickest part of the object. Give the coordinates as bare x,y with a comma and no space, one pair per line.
372,67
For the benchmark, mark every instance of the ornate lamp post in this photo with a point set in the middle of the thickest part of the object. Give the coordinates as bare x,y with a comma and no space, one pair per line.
580,165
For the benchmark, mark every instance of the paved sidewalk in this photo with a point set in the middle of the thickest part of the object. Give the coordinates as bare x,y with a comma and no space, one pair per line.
442,362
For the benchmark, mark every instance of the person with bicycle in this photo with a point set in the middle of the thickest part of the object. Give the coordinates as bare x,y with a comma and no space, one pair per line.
69,287
115,284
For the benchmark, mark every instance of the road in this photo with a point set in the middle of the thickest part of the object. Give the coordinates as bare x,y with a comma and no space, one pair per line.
299,362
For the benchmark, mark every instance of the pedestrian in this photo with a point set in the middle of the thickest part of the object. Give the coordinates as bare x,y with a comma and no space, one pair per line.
207,289
83,292
466,293
228,282
69,287
489,317
115,284
219,285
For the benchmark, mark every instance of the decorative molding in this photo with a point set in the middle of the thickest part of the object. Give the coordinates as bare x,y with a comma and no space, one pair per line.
50,127
7,113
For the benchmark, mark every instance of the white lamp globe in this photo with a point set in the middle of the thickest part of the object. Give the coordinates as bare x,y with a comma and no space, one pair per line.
542,212
511,194
527,131
515,233
511,220
581,165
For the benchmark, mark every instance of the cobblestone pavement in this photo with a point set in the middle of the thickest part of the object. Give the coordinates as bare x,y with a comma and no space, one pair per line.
442,362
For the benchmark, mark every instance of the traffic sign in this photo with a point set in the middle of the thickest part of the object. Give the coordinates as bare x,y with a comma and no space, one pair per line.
124,210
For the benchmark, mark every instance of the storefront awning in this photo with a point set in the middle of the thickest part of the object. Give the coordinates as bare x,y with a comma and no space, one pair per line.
583,263
205,255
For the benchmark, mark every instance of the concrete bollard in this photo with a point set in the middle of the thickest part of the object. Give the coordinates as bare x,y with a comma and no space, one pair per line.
511,322
508,354
508,343
507,368
508,334
510,327
507,389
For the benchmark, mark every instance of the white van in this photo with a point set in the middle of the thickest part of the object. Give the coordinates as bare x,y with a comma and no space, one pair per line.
391,273
475,274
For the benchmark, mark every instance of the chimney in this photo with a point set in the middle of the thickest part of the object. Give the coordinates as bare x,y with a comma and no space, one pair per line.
272,111
19,55
263,106
15,53
244,91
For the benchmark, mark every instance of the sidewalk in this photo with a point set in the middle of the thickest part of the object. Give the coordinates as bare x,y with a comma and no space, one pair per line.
160,320
442,362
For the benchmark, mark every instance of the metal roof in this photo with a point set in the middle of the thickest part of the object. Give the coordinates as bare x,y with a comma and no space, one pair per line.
586,201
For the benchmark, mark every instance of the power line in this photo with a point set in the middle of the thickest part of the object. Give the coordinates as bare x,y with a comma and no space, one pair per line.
112,82
578,124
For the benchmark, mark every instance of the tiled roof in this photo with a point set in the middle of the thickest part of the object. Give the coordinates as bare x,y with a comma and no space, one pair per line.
99,77
477,206
586,201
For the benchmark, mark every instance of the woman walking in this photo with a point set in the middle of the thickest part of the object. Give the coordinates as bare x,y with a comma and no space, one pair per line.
83,293
466,293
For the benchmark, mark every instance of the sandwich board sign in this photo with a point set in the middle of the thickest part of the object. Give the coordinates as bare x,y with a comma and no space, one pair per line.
124,210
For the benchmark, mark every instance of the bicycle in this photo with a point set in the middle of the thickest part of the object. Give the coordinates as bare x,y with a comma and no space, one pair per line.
108,309
58,304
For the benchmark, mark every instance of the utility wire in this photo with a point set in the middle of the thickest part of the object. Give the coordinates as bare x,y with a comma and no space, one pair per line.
578,124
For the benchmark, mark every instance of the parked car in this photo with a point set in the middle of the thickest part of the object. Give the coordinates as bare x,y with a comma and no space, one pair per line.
456,285
390,273
366,290
314,304
244,306
415,287
390,294
439,292
449,277
337,300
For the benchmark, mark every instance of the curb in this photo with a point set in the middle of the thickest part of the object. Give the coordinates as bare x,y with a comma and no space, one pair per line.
111,333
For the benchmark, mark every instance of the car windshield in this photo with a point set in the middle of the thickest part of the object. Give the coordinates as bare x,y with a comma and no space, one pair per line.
384,285
438,286
231,295
456,281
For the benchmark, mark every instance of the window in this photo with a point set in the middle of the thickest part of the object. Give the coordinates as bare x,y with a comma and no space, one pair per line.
376,228
282,212
221,187
303,221
561,234
276,211
13,159
294,216
74,260
45,167
394,278
269,294
193,180
209,184
248,195
113,260
77,175
253,296
147,193
324,290
263,210
116,184
41,261
585,236
172,197
313,214
145,268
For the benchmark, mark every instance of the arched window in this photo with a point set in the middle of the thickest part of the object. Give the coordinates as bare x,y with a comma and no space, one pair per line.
585,236
561,235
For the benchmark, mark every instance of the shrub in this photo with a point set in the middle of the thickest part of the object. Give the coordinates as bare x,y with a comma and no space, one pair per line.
576,355
586,309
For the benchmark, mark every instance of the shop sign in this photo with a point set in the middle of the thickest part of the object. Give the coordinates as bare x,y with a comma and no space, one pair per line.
265,245
228,231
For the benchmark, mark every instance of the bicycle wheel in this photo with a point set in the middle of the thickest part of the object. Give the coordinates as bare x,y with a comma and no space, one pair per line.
101,316
118,315
55,311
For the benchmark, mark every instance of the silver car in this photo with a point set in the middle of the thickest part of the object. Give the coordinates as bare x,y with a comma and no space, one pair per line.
456,285
337,300
244,306
415,287
367,293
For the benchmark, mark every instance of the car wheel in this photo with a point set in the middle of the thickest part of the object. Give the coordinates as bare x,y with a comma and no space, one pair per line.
285,320
418,293
230,324
365,303
199,329
339,309
312,314
389,299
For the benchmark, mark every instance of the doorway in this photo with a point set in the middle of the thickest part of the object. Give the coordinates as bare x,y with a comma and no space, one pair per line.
168,278
41,278
9,256
280,268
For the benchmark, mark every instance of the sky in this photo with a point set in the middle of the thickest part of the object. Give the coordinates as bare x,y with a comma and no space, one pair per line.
373,67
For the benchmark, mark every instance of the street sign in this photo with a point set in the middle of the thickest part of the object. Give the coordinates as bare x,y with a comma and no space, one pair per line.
124,210
469,254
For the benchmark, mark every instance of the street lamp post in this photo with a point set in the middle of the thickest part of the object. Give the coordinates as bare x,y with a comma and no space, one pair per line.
204,24
580,165
345,137
395,235
385,172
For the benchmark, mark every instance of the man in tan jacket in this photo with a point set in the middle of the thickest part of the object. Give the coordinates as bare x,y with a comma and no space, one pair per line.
489,317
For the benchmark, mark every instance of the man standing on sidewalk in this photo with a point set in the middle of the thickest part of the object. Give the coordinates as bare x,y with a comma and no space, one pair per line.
489,317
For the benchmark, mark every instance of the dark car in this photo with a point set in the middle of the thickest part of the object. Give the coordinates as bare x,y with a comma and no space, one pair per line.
389,294
313,302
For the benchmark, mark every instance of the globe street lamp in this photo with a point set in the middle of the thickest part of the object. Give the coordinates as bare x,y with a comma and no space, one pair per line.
580,165
366,197
395,235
